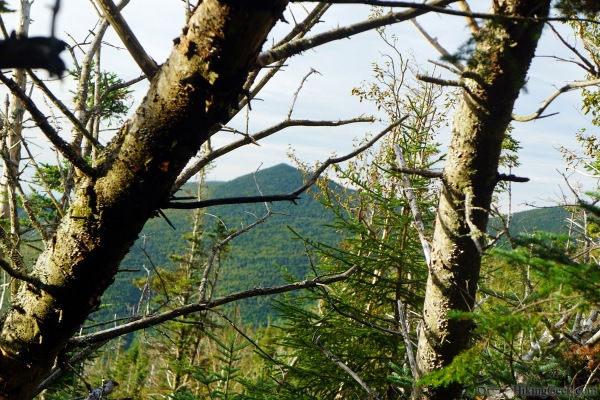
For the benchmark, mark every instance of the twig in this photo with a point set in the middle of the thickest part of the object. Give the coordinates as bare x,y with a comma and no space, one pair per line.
253,139
545,104
348,370
218,246
290,196
66,112
297,92
433,41
61,145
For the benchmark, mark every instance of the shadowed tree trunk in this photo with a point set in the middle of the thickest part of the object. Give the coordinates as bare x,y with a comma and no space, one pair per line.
188,96
494,76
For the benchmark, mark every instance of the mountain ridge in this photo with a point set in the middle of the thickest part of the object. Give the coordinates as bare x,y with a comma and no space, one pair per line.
263,256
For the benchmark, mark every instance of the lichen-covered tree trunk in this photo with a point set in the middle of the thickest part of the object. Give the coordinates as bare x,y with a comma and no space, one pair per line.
188,96
494,76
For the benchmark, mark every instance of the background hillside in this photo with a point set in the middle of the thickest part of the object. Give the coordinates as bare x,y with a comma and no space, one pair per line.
260,257
263,256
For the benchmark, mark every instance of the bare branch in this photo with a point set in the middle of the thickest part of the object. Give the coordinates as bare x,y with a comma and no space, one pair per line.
61,145
439,81
297,32
407,343
58,371
464,6
293,195
438,8
567,88
20,275
414,206
66,112
143,60
250,139
298,46
587,65
347,369
142,323
433,41
426,173
511,178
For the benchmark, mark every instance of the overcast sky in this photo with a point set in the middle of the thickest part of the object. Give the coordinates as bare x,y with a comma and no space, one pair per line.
342,65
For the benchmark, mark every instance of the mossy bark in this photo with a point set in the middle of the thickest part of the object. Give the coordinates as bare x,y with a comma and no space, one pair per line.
495,74
189,95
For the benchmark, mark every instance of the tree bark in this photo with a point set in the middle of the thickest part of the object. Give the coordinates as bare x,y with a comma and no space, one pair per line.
494,75
188,96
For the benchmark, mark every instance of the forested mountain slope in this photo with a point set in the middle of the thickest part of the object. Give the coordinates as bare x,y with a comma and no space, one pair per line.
263,256
257,258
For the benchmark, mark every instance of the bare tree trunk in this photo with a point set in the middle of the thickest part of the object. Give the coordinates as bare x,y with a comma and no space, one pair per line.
12,143
492,80
188,97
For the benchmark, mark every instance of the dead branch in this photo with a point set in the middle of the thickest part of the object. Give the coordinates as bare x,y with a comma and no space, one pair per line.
143,60
297,32
346,368
298,46
147,322
567,88
407,343
473,26
214,251
284,197
66,112
511,178
18,274
297,92
61,145
585,63
252,139
436,45
426,173
438,8
414,206
439,81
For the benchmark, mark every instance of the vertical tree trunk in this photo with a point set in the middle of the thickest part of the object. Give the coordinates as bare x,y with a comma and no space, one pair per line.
492,80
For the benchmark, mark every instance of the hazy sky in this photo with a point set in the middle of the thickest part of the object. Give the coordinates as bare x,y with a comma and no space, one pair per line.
342,65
